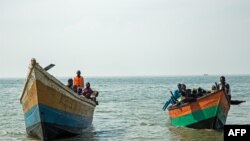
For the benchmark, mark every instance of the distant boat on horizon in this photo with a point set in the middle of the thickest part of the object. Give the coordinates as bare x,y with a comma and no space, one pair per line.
205,74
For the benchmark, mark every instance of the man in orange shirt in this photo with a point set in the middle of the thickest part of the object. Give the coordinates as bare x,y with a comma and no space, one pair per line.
79,80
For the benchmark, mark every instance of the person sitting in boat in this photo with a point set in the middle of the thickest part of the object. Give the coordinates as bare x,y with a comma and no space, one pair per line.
89,93
177,92
198,92
224,86
201,92
70,83
79,91
174,97
79,80
214,88
186,94
183,90
194,93
75,88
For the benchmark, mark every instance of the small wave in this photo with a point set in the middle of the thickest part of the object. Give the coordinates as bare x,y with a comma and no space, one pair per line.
143,124
104,112
152,124
2,133
11,133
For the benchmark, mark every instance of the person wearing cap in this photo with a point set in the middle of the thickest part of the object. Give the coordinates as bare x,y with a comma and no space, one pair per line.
223,85
79,80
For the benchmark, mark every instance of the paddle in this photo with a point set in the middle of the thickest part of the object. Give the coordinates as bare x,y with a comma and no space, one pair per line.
236,102
49,67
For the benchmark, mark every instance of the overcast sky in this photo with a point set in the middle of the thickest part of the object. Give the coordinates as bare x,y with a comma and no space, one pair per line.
125,37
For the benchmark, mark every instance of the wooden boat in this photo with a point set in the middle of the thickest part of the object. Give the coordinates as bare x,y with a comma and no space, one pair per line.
52,110
207,112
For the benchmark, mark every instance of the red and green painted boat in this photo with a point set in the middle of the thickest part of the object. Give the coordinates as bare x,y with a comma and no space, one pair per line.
206,112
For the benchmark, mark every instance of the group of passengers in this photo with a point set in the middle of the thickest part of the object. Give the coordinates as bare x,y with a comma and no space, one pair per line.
77,85
182,94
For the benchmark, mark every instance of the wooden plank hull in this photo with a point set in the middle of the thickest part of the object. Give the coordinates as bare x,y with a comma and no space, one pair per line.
51,110
208,112
49,123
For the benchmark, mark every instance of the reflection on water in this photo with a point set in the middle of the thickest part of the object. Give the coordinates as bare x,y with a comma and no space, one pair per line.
189,134
87,134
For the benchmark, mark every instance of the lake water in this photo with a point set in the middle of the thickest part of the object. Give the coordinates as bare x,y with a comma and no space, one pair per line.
129,109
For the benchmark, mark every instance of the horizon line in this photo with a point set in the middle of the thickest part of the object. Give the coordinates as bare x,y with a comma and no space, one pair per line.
122,76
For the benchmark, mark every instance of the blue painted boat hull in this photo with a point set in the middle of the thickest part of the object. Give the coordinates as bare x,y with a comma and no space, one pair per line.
48,123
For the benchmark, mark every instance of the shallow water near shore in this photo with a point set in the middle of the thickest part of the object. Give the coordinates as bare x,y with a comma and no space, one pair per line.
129,108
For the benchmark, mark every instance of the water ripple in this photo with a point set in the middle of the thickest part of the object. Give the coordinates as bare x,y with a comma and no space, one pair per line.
130,109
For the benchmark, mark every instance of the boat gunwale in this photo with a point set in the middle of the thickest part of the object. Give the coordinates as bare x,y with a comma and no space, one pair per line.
175,106
31,67
53,80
